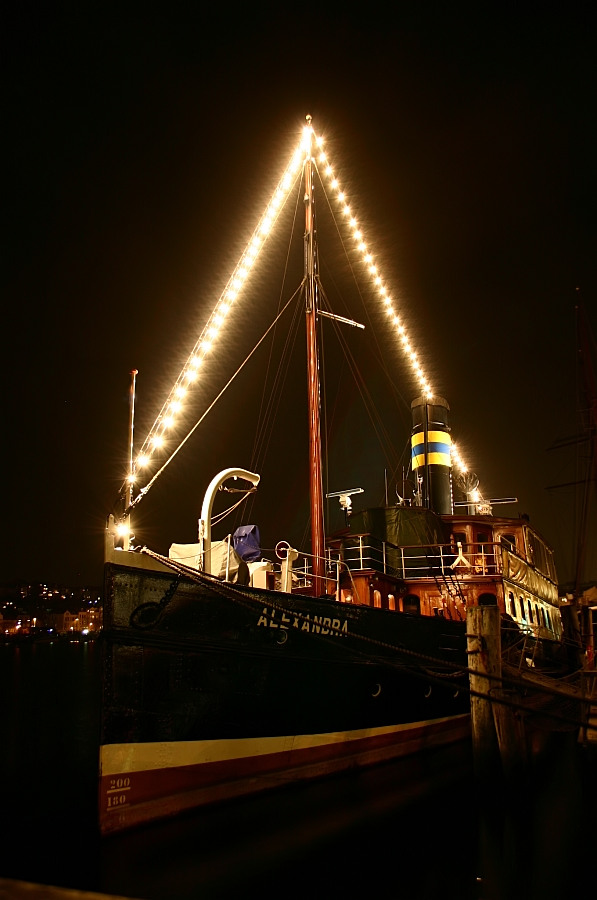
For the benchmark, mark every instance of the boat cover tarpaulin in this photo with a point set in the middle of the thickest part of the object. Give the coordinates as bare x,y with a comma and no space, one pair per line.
405,526
187,554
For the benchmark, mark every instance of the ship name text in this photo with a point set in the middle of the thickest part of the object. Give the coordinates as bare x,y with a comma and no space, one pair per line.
275,618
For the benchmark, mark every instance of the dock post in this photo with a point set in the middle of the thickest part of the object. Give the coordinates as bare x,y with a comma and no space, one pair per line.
483,649
484,659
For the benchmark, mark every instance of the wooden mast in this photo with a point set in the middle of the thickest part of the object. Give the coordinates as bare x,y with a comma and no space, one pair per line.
315,468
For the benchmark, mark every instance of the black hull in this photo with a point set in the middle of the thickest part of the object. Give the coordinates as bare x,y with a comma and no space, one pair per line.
211,691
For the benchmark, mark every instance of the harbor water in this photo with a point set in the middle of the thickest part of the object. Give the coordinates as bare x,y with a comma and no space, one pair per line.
409,829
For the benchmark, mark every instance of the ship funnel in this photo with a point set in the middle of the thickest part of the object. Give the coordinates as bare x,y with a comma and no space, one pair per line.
430,447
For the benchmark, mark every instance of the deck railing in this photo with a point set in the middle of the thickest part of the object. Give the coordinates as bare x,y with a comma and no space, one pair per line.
365,551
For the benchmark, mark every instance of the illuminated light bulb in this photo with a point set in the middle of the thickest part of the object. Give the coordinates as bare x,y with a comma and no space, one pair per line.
353,222
175,406
362,246
212,333
196,361
190,375
378,280
180,391
142,461
157,441
368,258
131,478
346,210
341,197
167,422
242,273
357,235
122,530
335,184
231,295
319,141
329,171
205,346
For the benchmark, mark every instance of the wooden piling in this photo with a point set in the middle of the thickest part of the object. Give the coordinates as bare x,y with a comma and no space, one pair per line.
484,659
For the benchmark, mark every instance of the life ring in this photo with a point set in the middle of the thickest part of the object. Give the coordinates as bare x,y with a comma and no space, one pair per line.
281,549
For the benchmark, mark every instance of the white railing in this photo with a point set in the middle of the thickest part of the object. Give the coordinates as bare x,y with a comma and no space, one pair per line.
420,560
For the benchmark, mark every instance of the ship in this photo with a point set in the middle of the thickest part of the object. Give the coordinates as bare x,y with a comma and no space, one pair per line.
228,671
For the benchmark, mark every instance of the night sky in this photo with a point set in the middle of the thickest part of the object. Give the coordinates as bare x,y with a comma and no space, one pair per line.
142,149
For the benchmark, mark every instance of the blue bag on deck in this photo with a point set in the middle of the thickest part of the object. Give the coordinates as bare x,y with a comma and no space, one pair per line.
247,543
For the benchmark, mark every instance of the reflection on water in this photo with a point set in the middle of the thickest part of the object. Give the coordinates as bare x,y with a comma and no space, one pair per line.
409,830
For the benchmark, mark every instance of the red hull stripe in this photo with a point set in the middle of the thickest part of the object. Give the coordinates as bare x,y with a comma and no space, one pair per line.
141,782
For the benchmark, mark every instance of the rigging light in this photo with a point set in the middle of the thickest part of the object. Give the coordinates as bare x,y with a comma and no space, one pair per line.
230,294
368,259
237,280
457,460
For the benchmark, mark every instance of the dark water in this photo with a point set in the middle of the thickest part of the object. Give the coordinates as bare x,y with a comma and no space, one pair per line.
403,830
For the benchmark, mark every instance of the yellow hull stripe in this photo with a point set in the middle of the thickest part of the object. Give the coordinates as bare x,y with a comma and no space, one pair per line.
119,759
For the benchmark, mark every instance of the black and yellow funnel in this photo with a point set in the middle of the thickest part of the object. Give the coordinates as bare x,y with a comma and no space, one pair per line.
430,449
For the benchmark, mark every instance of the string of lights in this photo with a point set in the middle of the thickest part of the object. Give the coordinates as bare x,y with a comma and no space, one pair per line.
166,419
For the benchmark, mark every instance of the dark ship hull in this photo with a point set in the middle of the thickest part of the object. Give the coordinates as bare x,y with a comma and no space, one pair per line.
213,691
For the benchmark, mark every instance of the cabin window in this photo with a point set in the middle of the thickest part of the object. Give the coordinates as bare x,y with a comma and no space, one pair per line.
483,538
377,599
520,608
391,601
510,604
488,600
540,555
508,541
484,562
412,604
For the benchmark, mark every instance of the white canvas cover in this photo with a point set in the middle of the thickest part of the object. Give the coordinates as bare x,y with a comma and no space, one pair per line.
225,562
187,554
